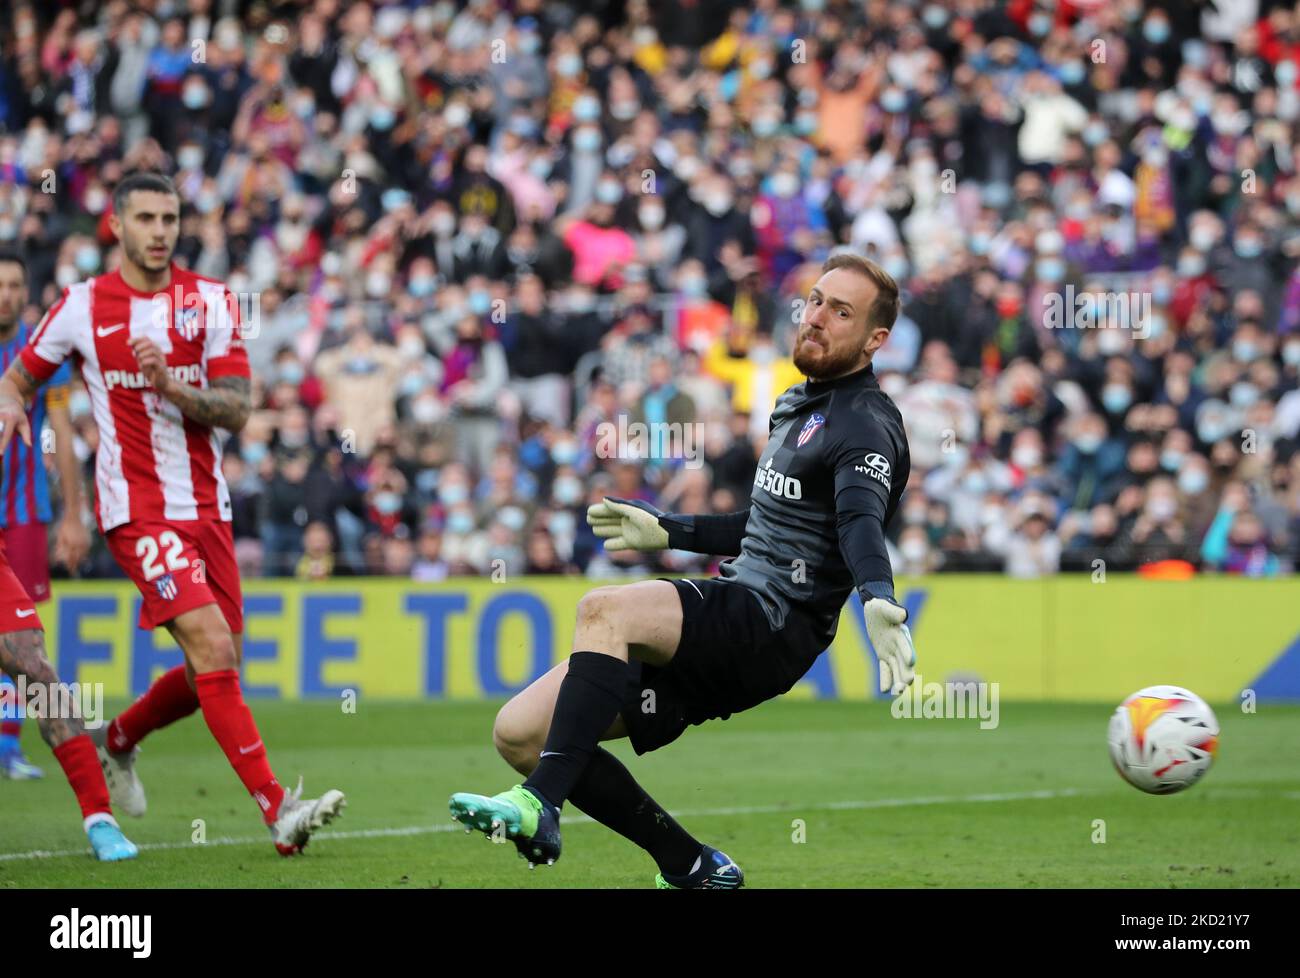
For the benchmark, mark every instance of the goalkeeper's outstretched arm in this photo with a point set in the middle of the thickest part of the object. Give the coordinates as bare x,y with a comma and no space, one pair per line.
630,524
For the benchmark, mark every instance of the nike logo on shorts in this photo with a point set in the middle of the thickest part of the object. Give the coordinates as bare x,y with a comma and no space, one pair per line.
103,331
25,614
551,753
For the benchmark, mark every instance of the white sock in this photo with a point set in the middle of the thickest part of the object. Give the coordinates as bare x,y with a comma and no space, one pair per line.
97,818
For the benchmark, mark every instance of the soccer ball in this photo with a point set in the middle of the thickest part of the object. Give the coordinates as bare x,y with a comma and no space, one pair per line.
1163,739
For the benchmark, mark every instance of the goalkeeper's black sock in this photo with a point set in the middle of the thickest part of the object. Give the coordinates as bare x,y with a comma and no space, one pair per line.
609,794
590,697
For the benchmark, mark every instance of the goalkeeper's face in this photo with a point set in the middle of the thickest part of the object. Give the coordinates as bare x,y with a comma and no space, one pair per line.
835,336
148,228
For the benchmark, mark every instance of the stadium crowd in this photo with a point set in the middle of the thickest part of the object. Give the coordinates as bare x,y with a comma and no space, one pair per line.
470,237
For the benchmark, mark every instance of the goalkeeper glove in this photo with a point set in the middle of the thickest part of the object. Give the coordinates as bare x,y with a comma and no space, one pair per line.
892,640
627,524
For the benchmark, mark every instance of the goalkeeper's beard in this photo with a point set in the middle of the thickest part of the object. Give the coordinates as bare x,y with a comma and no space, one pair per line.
817,361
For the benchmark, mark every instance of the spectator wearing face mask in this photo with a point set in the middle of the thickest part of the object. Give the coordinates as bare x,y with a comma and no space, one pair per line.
359,380
1034,550
1236,542
1089,462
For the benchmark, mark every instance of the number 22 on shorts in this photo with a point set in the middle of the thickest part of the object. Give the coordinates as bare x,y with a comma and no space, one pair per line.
147,548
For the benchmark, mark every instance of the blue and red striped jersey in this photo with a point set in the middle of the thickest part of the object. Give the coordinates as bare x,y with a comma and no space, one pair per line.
25,497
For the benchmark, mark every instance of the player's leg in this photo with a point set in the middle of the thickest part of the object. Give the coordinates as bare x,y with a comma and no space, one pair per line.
13,764
606,791
611,622
22,654
25,551
210,650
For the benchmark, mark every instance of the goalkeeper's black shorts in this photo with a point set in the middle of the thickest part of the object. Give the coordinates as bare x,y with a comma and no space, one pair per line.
729,659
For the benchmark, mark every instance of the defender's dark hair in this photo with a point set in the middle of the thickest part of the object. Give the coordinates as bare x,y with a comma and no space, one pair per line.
9,256
141,180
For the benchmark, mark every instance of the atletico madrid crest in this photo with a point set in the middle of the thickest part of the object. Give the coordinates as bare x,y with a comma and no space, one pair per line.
187,321
166,587
809,429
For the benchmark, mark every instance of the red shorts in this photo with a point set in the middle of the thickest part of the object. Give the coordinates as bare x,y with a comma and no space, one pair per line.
179,567
17,610
27,548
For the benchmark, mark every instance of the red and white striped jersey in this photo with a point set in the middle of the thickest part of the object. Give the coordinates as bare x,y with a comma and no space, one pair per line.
153,462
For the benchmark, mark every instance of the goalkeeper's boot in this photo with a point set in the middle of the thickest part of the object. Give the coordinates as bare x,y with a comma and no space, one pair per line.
298,818
15,767
124,786
716,871
532,823
108,842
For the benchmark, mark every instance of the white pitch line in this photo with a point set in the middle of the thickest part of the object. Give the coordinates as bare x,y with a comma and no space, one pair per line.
834,806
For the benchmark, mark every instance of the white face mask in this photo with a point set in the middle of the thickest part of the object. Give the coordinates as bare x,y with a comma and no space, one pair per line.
914,550
1162,508
427,410
1026,457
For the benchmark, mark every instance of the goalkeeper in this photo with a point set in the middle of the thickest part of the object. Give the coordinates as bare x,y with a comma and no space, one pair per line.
655,657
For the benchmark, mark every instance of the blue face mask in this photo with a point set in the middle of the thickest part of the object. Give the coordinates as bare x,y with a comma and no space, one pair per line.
1116,400
480,303
1162,293
567,492
1088,444
1248,247
586,141
453,495
388,503
1193,482
1072,72
422,287
253,452
87,259
564,453
1244,351
411,384
1050,269
291,373
1171,460
1156,30
460,523
934,17
897,268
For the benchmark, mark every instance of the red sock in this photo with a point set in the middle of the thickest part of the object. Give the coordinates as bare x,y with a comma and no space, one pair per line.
10,728
231,723
169,699
80,763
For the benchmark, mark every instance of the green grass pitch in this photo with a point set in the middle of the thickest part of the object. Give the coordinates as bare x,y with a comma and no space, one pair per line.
875,801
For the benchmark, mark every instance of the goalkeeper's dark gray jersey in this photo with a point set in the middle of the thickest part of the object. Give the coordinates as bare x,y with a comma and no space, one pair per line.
828,482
